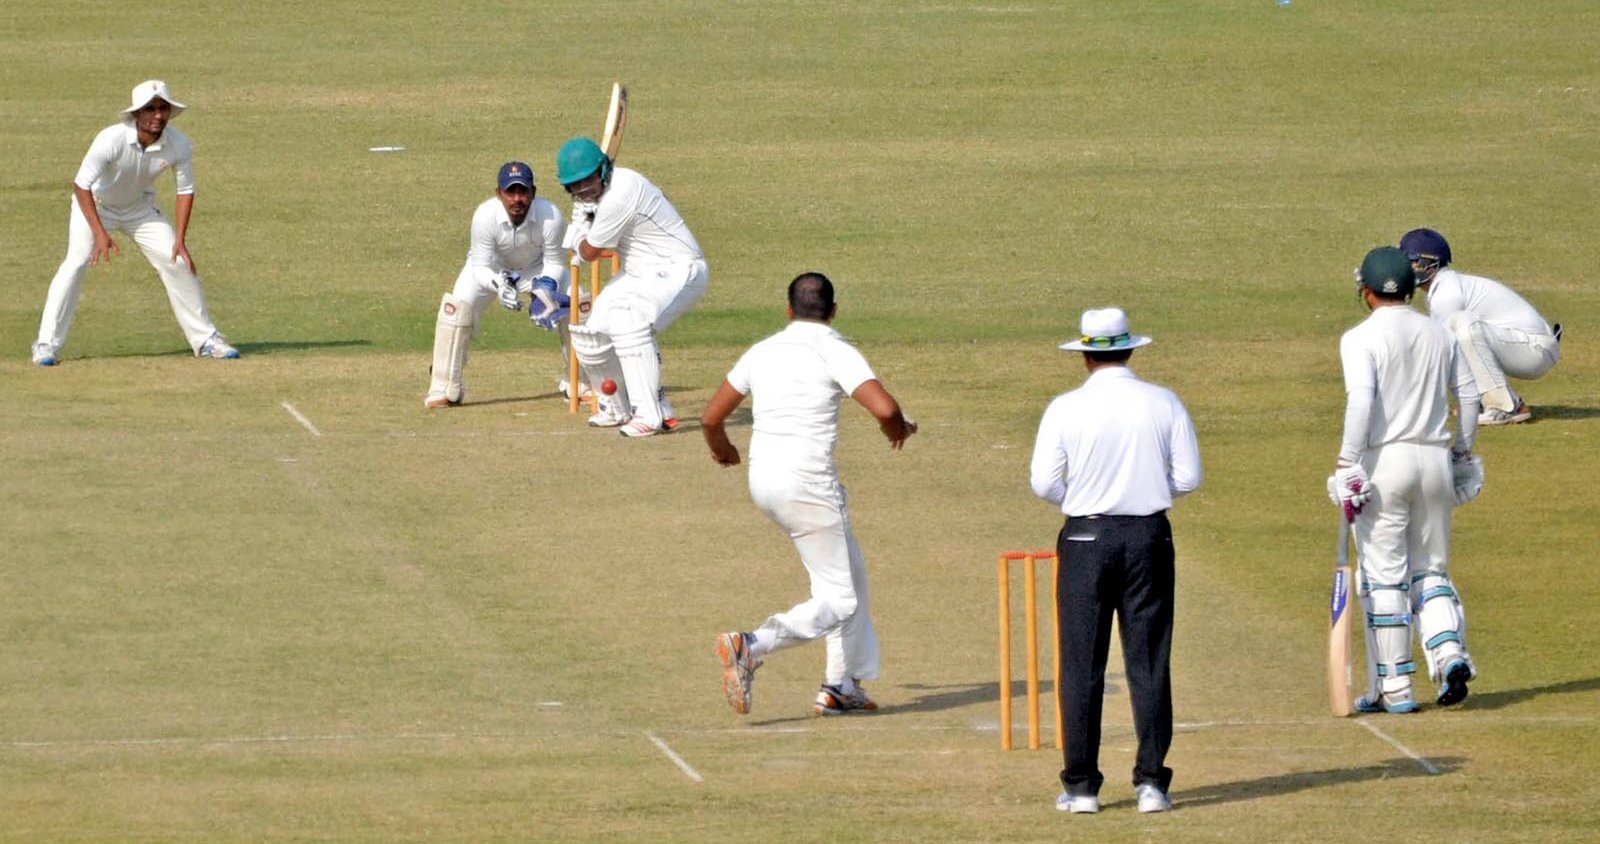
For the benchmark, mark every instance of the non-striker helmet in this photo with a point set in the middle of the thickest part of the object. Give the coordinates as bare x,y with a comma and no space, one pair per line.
1387,272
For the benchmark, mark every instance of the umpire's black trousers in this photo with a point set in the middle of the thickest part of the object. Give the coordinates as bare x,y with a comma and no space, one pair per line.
1121,565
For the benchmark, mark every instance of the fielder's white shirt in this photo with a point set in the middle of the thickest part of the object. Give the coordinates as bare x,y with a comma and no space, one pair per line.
1399,370
532,249
1116,446
634,218
798,378
122,174
1493,302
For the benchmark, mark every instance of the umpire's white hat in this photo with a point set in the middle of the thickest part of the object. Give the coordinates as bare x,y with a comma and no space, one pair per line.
1104,330
148,90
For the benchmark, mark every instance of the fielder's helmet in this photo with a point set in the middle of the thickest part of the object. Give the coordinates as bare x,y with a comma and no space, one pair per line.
578,159
1426,247
1387,272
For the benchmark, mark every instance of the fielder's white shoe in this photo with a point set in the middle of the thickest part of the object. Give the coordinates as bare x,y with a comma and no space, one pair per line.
435,401
1152,798
738,669
608,417
1078,803
1495,416
585,392
832,701
43,355
217,347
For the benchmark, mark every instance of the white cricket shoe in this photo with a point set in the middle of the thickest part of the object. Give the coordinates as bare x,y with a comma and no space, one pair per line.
1152,798
637,428
217,347
436,401
608,417
1495,416
43,355
832,701
1078,803
738,669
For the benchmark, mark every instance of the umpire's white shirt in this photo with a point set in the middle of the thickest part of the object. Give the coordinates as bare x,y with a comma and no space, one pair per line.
1492,302
1116,446
635,218
532,249
798,377
1399,370
122,175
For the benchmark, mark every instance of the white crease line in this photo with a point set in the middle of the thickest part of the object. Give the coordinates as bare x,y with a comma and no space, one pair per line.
689,772
304,422
1426,765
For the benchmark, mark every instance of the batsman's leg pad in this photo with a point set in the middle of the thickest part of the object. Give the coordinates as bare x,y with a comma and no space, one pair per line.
597,356
1389,629
641,363
451,335
1441,623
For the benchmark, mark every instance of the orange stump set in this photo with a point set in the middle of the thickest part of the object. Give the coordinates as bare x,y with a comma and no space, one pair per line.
1030,591
579,310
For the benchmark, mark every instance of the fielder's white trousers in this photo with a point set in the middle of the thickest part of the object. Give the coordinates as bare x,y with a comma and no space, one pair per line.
155,238
1493,352
648,294
813,513
1404,530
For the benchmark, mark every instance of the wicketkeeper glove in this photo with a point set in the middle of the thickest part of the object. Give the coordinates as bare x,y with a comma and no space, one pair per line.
549,307
508,290
1348,487
1466,474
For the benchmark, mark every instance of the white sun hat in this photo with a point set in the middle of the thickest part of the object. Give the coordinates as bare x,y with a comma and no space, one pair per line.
1104,330
148,90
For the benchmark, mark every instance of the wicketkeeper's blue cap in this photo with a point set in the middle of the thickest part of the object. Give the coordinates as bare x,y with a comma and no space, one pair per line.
516,173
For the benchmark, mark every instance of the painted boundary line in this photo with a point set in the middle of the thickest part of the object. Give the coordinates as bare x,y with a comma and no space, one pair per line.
683,766
299,417
1426,765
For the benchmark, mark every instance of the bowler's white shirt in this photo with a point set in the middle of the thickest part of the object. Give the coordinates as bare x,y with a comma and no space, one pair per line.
798,378
532,249
1399,370
1493,302
122,174
634,218
1116,446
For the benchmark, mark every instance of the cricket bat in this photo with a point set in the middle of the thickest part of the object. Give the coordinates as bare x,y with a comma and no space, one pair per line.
616,121
1339,627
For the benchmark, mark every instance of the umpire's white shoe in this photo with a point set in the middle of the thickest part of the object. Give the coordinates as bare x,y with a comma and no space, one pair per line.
1152,798
1078,803
217,347
43,355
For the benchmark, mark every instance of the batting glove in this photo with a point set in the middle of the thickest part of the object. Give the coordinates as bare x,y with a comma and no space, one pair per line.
583,212
1350,488
507,288
1466,475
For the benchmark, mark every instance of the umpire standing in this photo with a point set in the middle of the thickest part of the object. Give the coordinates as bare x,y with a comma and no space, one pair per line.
1112,455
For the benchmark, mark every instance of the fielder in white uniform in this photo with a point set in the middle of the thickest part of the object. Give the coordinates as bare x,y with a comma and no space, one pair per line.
115,190
798,377
1398,477
1499,332
663,274
516,249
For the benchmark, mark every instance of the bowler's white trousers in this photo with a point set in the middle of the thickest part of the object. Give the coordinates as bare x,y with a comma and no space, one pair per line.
155,237
812,511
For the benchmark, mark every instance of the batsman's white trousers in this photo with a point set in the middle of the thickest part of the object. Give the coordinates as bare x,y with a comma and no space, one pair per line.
648,294
155,238
812,512
1493,352
1405,528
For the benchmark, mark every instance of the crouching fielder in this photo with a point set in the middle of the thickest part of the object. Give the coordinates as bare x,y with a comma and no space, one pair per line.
798,377
516,249
663,274
1398,476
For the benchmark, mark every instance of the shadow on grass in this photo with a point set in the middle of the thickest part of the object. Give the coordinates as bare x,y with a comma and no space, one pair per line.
262,348
1282,784
1563,411
1512,697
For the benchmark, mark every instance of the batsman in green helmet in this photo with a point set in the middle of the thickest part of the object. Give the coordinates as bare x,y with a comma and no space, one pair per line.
663,274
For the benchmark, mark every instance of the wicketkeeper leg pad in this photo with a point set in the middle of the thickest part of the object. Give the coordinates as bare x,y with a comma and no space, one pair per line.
451,335
1441,622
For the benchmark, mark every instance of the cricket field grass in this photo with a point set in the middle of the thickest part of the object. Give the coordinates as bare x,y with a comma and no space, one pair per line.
275,600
